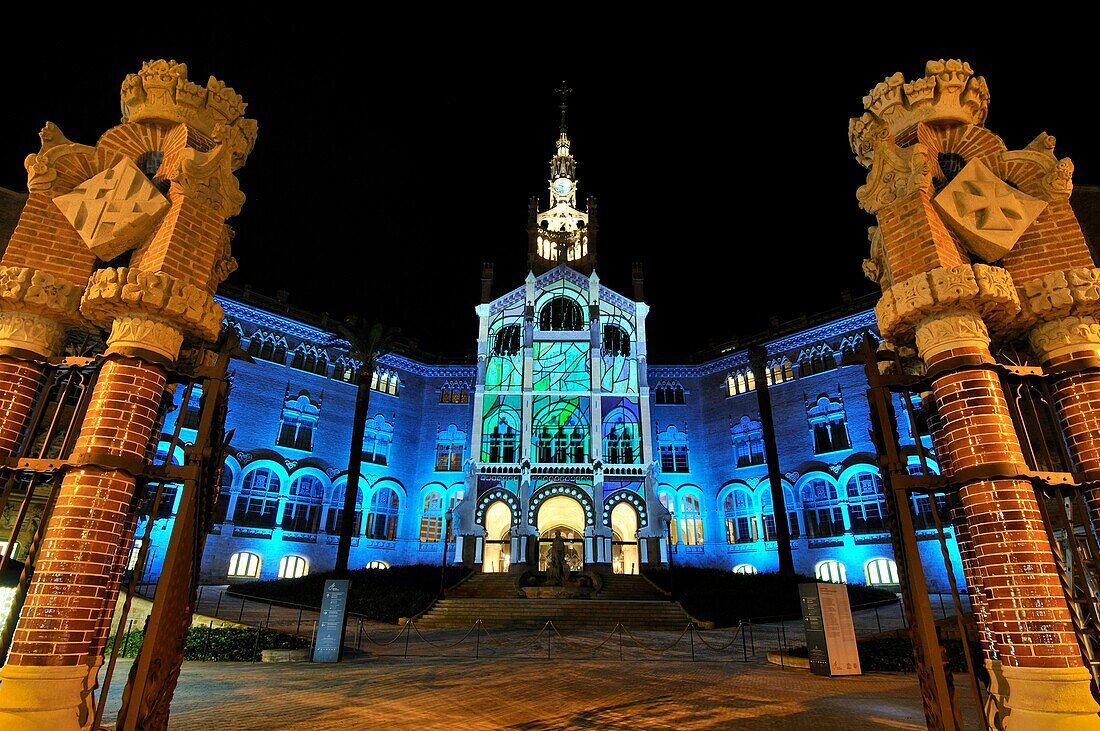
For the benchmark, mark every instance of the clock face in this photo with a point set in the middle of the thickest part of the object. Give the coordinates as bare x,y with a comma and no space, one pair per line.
562,186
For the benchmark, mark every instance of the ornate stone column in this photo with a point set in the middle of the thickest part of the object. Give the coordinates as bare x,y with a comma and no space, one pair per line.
184,139
951,204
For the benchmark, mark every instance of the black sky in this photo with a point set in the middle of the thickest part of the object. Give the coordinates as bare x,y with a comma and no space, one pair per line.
391,162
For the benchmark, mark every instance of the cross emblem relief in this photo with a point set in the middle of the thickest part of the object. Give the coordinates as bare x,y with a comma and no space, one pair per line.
987,214
114,210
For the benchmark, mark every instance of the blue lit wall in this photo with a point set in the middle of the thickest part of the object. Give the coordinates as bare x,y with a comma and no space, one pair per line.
417,415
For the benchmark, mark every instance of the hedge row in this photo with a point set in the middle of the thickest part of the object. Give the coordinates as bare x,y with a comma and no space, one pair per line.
241,644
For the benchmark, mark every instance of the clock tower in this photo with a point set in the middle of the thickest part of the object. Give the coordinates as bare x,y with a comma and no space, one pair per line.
561,233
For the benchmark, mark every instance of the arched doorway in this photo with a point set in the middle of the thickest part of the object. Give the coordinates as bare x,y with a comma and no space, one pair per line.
624,539
497,554
564,515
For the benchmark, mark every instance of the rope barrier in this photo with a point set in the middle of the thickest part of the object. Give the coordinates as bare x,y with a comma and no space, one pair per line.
443,647
724,647
661,649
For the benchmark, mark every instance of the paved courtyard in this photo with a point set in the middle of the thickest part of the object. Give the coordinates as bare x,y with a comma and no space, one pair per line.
535,695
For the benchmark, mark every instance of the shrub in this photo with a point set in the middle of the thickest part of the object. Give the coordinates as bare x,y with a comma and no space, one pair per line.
725,598
384,595
226,644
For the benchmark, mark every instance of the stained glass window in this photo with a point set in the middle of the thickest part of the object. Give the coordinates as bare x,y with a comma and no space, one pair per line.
560,429
562,366
501,426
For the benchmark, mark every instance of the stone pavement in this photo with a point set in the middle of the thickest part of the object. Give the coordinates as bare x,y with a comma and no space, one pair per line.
531,695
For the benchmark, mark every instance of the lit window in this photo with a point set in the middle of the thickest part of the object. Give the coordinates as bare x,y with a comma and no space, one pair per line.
673,448
831,571
335,518
881,571
377,438
744,568
293,567
454,392
450,444
669,501
767,513
385,381
821,509
244,565
866,509
691,520
739,515
377,565
302,511
748,442
259,499
431,520
14,549
740,381
827,422
382,518
299,420
508,340
615,341
622,444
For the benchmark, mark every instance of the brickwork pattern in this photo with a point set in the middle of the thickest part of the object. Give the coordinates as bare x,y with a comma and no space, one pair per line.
19,384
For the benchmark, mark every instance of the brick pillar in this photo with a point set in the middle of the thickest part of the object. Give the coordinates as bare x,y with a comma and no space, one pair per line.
1065,346
20,382
180,252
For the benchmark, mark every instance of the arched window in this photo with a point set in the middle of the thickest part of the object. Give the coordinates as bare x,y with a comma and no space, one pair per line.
866,510
561,313
431,520
821,509
615,341
827,420
377,565
672,445
293,567
881,571
744,568
302,511
454,392
508,340
385,381
669,501
299,420
336,510
767,513
691,520
450,446
377,438
224,496
747,436
739,514
244,565
382,518
832,571
259,499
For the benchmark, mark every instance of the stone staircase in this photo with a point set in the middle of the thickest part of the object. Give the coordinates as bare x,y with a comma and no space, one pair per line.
630,600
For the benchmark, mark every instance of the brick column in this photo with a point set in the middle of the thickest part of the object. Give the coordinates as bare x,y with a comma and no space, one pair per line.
20,382
1024,607
1065,346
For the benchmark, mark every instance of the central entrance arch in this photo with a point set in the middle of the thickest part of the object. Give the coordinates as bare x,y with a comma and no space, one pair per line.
498,538
624,539
565,515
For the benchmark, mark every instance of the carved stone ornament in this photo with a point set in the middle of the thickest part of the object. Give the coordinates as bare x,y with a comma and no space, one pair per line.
208,177
950,330
30,332
1060,294
987,213
114,210
23,288
162,92
949,91
897,173
1064,335
42,166
984,289
129,292
129,334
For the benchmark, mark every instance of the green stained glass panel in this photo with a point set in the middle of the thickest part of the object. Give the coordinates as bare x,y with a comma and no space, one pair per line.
562,366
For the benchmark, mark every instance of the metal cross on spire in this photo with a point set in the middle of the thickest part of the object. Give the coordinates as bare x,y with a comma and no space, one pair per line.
564,91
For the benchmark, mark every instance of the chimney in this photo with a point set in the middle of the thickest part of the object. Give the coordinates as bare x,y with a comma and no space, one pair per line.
486,282
639,281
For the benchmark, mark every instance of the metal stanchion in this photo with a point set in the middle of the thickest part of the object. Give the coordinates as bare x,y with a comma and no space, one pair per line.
240,619
691,639
477,643
408,629
218,608
620,626
744,647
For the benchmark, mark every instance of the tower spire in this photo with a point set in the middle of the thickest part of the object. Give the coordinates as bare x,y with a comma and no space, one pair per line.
562,233
563,91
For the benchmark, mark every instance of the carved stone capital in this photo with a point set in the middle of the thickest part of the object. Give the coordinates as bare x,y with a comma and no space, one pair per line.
897,173
1060,294
143,337
129,292
28,334
948,330
42,166
983,289
33,290
1065,335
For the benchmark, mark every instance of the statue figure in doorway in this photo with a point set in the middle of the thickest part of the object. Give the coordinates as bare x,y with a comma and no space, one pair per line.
557,569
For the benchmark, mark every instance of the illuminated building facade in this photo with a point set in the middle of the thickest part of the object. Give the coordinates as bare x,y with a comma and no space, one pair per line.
561,425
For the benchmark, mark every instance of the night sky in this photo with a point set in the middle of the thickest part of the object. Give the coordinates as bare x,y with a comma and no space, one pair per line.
392,162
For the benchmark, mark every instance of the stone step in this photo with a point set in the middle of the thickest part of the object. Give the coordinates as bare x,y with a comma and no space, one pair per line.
565,613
